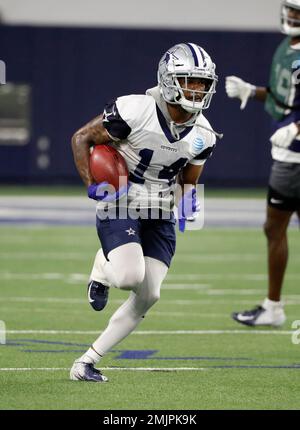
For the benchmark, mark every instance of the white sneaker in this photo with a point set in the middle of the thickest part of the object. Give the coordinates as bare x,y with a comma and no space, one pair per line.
260,316
86,372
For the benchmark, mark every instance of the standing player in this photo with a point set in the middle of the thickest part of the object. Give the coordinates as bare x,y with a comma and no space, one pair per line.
282,102
162,135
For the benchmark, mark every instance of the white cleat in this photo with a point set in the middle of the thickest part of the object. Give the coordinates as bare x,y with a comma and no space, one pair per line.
86,372
260,316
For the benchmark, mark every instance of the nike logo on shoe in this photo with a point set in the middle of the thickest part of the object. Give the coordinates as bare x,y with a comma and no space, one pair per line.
242,317
97,295
89,293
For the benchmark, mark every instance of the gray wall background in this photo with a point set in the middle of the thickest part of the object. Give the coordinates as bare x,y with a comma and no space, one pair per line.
252,15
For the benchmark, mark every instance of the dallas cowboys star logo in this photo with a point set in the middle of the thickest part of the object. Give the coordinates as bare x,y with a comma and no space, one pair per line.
130,232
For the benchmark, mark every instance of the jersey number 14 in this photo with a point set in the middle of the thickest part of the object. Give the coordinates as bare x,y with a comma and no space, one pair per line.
167,172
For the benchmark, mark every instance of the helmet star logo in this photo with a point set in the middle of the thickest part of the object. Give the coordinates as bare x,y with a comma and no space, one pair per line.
167,57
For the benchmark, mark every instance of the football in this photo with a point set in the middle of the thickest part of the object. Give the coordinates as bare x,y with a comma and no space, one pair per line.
107,164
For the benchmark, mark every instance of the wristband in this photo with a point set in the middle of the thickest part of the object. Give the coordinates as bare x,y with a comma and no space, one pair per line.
253,91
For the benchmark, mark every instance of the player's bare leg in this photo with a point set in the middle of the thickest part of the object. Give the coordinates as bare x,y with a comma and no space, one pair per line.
271,311
276,232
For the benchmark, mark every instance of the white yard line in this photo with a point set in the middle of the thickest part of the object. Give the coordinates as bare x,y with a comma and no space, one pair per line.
143,369
159,332
288,300
165,314
42,300
212,257
75,277
197,286
44,255
232,292
227,276
82,277
193,314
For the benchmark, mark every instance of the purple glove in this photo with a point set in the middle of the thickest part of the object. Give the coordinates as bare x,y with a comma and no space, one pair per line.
187,207
100,192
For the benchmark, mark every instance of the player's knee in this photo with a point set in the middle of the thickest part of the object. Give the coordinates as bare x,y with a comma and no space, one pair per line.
150,300
143,305
129,278
153,298
272,232
267,229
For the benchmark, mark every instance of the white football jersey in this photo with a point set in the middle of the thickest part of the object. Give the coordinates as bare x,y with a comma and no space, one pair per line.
153,155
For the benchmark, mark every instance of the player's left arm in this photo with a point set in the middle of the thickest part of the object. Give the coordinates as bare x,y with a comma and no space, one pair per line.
190,174
186,196
187,179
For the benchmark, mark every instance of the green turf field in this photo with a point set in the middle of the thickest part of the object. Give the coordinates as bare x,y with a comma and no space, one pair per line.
209,361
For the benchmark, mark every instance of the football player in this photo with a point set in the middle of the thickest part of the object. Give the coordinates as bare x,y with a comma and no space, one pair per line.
282,102
163,137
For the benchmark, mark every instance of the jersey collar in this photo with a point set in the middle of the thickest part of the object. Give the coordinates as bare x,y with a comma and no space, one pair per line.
165,127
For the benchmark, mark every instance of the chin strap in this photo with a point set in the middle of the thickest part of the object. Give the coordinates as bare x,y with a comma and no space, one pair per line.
218,135
175,133
174,130
174,126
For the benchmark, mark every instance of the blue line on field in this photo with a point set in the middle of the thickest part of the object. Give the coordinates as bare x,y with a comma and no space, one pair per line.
49,342
136,354
203,358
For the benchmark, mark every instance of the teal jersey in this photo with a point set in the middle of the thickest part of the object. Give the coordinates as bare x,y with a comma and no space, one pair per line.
282,85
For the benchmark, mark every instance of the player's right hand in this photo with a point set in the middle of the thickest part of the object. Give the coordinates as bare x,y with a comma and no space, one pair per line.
237,88
102,192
